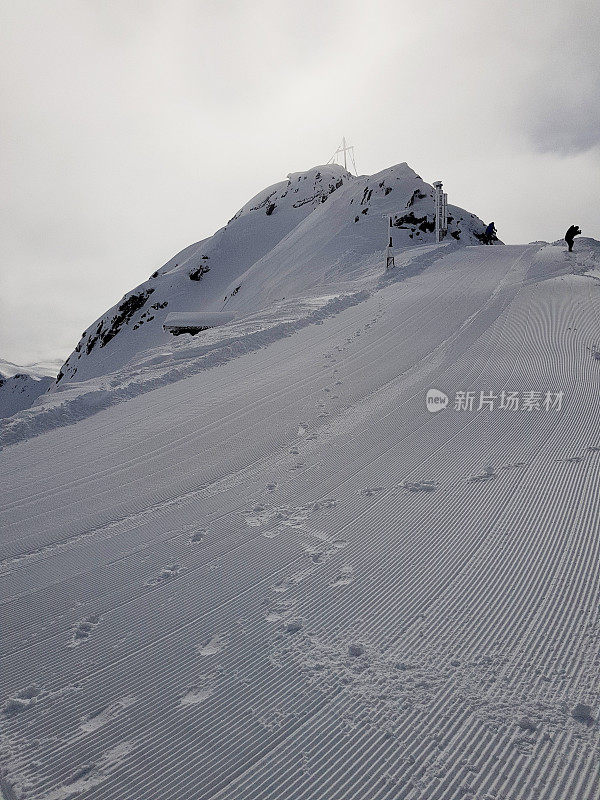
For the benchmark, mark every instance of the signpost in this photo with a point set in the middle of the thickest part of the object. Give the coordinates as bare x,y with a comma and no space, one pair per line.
389,250
441,212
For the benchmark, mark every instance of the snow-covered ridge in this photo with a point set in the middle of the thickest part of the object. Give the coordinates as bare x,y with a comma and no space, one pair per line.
37,370
20,386
197,278
292,239
296,252
183,356
20,392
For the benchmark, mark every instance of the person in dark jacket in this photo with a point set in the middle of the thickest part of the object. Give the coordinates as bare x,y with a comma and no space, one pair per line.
570,235
490,232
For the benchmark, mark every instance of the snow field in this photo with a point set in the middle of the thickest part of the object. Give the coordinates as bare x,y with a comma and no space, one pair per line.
286,583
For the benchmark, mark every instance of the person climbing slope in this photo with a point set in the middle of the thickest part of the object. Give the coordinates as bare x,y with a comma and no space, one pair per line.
570,235
490,233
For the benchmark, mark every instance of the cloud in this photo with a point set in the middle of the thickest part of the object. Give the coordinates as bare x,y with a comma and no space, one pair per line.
560,94
131,129
573,128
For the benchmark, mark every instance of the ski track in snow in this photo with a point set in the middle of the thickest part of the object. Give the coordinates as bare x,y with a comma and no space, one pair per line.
285,578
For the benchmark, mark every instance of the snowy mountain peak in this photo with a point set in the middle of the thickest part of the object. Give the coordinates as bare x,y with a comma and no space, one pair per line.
20,386
293,238
301,188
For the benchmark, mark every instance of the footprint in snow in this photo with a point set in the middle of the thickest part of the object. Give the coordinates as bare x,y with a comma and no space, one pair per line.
273,533
369,492
93,722
527,725
294,626
356,650
487,474
292,516
595,351
315,554
342,580
320,504
319,555
302,429
22,700
339,544
87,776
213,646
198,536
345,577
280,610
583,713
419,486
84,628
270,487
302,574
294,451
196,694
169,573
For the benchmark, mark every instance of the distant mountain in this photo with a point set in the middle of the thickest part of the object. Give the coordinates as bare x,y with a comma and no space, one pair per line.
21,391
306,235
40,369
20,386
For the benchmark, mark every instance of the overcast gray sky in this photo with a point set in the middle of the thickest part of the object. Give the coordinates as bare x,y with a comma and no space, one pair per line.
132,128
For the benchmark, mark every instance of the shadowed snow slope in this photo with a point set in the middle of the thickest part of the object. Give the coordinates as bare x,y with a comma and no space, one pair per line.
19,392
21,386
315,231
284,577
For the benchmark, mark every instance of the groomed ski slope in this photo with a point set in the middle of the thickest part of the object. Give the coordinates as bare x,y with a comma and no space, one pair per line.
285,578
